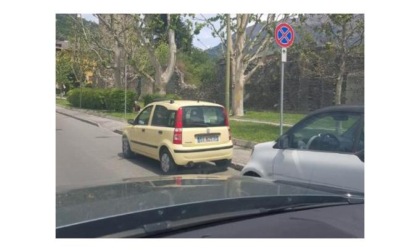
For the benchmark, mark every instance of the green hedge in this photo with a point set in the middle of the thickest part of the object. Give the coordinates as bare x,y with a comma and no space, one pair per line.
86,98
158,97
114,99
105,99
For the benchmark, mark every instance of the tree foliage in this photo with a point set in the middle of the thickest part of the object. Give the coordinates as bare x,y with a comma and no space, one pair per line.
63,26
198,66
63,70
252,39
329,47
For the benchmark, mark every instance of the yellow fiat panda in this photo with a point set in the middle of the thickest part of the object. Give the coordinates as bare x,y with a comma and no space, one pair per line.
180,133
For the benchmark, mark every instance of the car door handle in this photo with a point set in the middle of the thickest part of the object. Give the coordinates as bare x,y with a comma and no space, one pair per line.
143,130
160,132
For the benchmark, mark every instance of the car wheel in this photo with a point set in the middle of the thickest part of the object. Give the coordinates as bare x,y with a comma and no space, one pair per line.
224,164
252,174
167,163
127,153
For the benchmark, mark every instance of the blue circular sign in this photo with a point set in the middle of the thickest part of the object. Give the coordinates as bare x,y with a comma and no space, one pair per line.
284,35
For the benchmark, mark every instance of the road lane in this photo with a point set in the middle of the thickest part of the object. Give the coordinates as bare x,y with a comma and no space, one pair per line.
87,155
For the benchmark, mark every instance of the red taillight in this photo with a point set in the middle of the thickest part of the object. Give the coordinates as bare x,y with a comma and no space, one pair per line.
178,127
177,136
178,119
227,122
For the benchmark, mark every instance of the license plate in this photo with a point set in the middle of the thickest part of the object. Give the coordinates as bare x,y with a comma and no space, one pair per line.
207,139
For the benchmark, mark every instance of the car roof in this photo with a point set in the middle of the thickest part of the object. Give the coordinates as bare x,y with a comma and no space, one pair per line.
175,104
340,108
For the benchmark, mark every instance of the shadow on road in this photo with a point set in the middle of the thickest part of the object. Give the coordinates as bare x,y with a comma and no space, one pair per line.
154,166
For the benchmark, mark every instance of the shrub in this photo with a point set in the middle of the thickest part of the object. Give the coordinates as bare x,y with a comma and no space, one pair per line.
158,97
85,98
115,98
95,98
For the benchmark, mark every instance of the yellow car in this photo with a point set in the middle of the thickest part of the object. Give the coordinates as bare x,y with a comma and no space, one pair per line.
180,133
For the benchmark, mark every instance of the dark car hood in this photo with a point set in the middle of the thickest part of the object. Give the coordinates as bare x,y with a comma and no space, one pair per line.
141,194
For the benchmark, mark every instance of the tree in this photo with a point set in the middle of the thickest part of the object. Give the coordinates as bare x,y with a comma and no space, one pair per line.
249,48
112,43
147,28
63,70
346,35
81,57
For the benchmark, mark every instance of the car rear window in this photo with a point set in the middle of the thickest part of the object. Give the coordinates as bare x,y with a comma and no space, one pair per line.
203,116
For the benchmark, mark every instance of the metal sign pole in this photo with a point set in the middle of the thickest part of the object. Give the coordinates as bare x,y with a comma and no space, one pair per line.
283,59
284,36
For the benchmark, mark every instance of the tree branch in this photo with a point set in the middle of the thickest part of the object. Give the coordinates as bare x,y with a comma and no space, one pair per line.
255,68
146,75
172,57
223,41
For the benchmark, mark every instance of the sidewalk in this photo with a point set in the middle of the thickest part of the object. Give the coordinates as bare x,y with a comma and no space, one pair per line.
241,149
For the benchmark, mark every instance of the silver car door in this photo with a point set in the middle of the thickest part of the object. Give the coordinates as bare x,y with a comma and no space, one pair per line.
321,151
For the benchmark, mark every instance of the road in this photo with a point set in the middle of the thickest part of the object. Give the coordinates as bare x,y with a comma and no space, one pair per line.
87,155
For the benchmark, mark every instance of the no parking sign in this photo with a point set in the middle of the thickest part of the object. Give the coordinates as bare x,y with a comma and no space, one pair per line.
284,35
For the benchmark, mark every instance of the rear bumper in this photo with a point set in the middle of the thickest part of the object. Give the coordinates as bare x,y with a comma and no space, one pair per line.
184,156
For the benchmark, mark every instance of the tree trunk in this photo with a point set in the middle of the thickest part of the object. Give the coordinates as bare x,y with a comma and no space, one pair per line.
238,98
342,71
339,85
239,67
117,65
166,76
146,87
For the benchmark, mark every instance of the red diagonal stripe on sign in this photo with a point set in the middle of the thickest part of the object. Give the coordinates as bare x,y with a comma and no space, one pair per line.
284,35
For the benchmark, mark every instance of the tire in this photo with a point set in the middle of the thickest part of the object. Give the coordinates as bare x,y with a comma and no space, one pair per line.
127,152
224,164
252,174
167,164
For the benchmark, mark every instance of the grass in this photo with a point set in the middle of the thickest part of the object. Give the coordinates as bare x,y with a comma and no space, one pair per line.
62,102
270,116
255,132
130,114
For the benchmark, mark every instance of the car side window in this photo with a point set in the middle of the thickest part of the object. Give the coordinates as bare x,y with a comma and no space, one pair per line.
333,132
361,142
161,116
144,116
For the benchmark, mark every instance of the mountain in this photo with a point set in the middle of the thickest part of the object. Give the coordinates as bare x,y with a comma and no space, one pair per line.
64,25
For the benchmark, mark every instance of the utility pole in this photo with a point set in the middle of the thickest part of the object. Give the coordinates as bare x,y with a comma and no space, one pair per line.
227,87
125,91
78,49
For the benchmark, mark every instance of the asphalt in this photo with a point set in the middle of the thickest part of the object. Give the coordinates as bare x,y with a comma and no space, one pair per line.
241,149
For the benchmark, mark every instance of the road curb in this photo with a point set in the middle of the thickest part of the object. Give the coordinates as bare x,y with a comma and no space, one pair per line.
244,143
78,118
118,131
236,166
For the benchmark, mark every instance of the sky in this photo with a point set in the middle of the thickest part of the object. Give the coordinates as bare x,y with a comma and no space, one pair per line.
204,40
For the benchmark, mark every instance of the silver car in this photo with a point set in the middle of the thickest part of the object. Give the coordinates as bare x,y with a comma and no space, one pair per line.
324,148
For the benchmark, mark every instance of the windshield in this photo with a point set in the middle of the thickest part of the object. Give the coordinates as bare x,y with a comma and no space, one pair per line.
160,130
